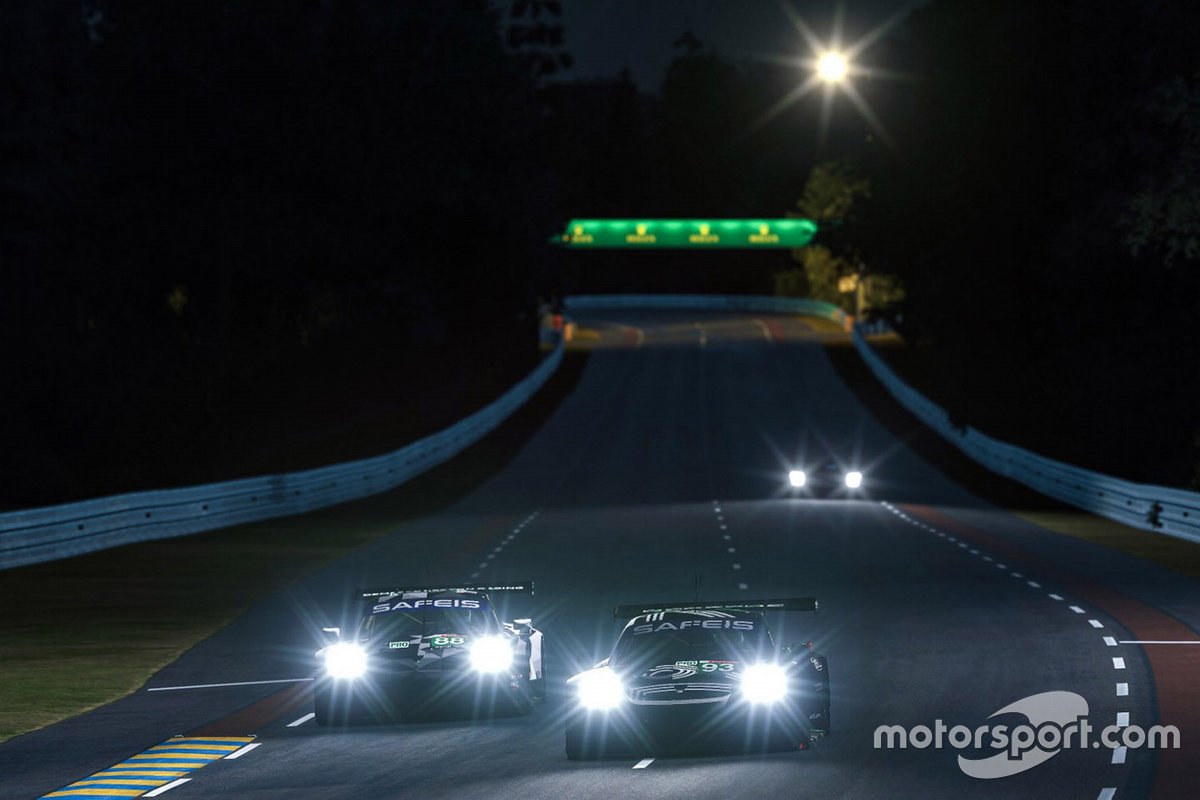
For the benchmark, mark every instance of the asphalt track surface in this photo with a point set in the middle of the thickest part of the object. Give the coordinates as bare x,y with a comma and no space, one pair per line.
663,468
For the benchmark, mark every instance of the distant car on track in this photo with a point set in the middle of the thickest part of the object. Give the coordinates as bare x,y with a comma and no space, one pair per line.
426,650
826,478
686,676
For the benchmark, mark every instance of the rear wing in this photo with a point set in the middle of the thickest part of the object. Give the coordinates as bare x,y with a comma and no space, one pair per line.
373,594
776,604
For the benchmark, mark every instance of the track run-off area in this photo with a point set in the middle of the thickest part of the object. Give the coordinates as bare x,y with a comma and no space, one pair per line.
661,474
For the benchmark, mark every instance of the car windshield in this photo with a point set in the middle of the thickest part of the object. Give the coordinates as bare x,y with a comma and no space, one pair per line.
400,625
690,644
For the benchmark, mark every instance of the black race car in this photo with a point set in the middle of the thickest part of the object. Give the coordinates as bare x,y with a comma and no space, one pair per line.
700,676
429,650
826,478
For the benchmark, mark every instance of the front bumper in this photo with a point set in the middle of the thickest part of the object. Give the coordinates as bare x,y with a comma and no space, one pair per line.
384,694
732,725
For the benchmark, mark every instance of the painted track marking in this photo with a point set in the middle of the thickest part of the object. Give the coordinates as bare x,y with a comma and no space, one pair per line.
645,762
302,720
243,751
167,787
219,685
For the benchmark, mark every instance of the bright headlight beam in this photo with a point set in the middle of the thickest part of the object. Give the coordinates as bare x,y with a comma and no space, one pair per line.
854,479
832,67
600,689
345,660
797,478
491,654
764,684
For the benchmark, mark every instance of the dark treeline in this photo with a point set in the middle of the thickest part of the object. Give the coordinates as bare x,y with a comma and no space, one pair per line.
221,213
1042,204
228,222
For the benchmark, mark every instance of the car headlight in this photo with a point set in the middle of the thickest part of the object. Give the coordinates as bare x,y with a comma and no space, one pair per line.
797,478
491,654
764,684
854,479
600,689
345,660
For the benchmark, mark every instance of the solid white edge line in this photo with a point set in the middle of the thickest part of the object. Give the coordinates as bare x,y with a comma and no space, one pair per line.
1122,690
1107,793
302,720
219,685
1158,641
242,751
1118,756
166,787
645,762
1118,663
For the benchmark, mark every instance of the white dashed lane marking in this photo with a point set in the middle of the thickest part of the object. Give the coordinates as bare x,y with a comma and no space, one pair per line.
1122,690
1095,623
1076,609
1118,663
1123,719
645,762
1110,641
301,721
166,787
243,751
1118,756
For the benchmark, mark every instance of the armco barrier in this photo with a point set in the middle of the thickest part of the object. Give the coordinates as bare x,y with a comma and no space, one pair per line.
53,532
1153,508
705,302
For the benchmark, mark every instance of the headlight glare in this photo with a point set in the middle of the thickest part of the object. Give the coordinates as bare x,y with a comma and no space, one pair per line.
491,654
764,684
854,479
797,478
600,689
345,660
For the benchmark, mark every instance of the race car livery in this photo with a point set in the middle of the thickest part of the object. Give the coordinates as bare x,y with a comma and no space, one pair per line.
691,676
429,650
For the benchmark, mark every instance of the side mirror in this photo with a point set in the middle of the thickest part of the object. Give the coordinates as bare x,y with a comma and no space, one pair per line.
331,635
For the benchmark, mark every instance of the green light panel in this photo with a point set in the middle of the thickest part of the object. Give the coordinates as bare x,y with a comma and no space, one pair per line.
700,234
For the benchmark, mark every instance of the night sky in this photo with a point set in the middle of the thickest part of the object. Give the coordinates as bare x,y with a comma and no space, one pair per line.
606,35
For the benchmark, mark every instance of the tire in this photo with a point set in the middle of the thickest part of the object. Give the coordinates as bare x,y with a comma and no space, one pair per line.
576,744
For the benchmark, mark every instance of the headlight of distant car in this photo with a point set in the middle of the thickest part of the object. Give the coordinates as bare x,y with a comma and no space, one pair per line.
600,689
854,479
345,660
491,654
764,684
797,478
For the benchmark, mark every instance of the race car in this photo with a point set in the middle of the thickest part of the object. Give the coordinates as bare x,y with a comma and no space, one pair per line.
429,650
827,478
688,676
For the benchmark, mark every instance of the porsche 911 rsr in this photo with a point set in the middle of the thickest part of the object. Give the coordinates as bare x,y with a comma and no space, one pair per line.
710,676
429,650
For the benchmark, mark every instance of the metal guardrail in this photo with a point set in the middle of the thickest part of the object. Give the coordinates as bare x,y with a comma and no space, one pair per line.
704,302
54,532
1153,508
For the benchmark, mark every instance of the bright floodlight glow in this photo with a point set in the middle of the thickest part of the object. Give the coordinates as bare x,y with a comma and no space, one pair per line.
600,689
491,654
764,684
797,478
345,660
832,67
854,479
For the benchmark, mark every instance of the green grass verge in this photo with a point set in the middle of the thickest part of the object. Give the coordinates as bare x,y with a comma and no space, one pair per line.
79,633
